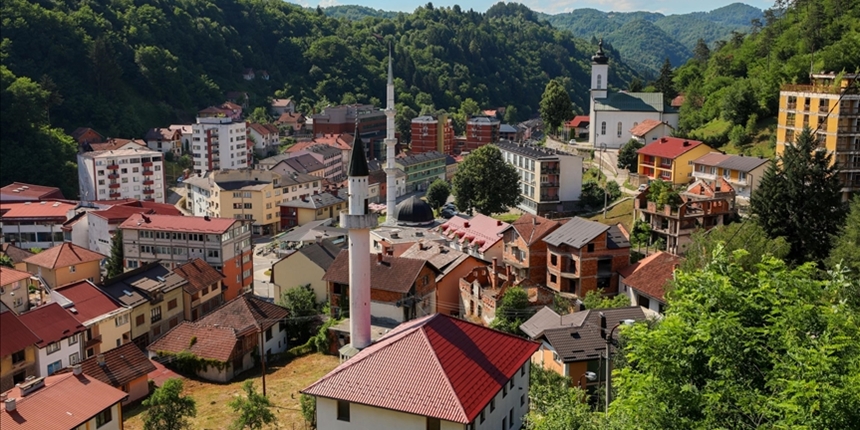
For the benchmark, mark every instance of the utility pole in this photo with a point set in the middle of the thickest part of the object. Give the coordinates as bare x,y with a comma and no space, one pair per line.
262,356
605,179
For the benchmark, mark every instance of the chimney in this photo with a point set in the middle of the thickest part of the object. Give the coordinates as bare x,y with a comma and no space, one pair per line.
77,370
534,221
100,359
206,218
10,405
466,224
498,223
686,143
389,252
379,258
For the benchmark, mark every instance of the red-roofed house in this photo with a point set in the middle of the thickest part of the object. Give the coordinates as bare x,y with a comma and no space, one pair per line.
645,282
21,192
36,224
524,251
225,243
164,140
650,130
280,106
100,226
106,320
578,126
114,144
480,236
265,137
60,337
292,122
86,135
670,159
18,352
126,368
69,401
66,263
201,290
437,372
13,289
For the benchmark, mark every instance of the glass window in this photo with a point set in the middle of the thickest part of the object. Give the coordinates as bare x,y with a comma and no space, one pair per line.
343,410
104,417
603,127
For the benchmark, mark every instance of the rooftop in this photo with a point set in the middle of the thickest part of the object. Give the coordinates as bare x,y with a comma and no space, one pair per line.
668,147
16,254
88,301
530,151
245,314
31,210
132,287
423,157
22,191
14,334
51,323
118,149
441,257
395,274
482,120
731,162
304,163
9,275
407,234
533,228
645,126
633,102
311,231
123,364
314,201
578,232
651,275
579,121
198,274
322,254
64,255
436,366
480,230
190,224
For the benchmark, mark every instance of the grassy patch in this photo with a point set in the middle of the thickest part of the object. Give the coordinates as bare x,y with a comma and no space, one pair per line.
283,383
622,212
629,186
713,128
509,218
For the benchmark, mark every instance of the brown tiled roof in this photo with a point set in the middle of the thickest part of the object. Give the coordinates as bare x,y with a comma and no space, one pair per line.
89,301
123,364
9,275
396,274
245,314
533,228
65,402
439,256
14,334
17,255
64,255
652,274
115,143
644,127
21,191
210,342
260,128
199,275
161,134
51,323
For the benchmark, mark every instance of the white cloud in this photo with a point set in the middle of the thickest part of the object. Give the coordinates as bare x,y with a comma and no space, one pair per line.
328,3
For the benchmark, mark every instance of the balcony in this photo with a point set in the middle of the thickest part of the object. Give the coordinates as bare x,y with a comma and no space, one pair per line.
549,184
148,191
113,186
114,195
649,163
147,173
113,166
93,342
147,164
148,182
548,198
113,176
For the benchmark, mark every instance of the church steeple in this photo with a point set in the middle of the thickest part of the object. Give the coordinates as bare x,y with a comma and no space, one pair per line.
599,57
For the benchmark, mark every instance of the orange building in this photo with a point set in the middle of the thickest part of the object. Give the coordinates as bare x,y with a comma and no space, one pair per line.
432,134
481,130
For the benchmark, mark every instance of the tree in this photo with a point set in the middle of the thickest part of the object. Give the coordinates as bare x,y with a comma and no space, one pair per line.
592,194
799,198
846,250
636,85
115,261
738,102
597,300
512,311
260,115
555,105
486,183
663,193
627,156
300,302
774,348
701,52
748,236
556,405
511,114
6,261
664,83
167,408
437,194
254,410
641,234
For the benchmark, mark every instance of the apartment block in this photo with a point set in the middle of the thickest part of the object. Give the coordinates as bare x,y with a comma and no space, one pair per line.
34,224
131,173
342,119
480,130
830,105
431,133
219,142
422,169
550,180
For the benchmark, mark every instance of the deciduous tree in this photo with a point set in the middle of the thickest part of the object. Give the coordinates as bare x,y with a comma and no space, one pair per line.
847,242
168,409
748,236
627,156
512,311
486,183
254,409
555,105
300,301
437,193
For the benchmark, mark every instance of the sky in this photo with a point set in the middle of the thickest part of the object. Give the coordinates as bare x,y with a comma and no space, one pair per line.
666,7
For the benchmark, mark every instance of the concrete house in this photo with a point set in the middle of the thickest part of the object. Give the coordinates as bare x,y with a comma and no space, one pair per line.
452,265
66,263
306,266
650,130
645,282
670,159
61,337
18,351
524,249
125,368
106,320
14,289
479,236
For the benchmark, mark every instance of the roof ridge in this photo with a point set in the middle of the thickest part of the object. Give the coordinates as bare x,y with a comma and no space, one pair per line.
441,368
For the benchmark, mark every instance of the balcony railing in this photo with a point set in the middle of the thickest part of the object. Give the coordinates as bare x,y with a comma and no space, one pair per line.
828,89
94,341
148,191
113,175
147,163
148,173
114,195
148,182
113,186
113,166
647,163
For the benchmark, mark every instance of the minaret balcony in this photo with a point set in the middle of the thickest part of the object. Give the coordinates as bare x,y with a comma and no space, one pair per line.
358,222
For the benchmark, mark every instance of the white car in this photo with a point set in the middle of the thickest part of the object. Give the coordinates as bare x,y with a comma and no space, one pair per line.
572,141
642,187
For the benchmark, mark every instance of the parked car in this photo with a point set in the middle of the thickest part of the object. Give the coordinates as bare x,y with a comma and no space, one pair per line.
448,213
572,141
642,187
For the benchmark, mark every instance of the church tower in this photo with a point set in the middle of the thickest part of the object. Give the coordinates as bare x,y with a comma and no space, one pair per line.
599,83
390,143
358,221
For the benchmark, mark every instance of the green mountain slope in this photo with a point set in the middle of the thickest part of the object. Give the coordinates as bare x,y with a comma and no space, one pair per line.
356,12
644,44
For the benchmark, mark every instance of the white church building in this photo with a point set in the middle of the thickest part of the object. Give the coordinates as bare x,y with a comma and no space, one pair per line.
613,114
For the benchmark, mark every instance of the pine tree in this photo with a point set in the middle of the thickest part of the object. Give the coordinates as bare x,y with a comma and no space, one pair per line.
114,262
799,198
701,52
664,82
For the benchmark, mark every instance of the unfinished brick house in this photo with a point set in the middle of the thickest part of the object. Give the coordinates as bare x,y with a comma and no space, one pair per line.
585,255
525,252
482,290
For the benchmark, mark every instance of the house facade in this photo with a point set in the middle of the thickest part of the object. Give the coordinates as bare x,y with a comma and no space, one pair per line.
646,281
670,159
479,236
66,263
650,130
125,368
14,285
742,173
106,320
136,173
525,252
201,292
480,131
550,180
311,207
61,337
246,194
18,351
305,267
218,142
265,137
164,140
451,266
422,169
281,106
37,224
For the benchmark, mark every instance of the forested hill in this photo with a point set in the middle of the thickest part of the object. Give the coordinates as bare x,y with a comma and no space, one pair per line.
122,67
356,12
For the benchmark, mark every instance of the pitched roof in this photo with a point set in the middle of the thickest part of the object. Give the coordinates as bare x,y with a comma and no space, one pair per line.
291,118
64,255
731,162
645,126
80,131
281,102
678,101
23,191
653,273
579,121
244,314
669,147
530,150
443,258
89,301
194,224
9,275
480,230
260,128
113,144
132,287
117,214
395,274
210,342
711,159
51,323
436,366
123,364
14,334
633,102
577,232
507,128
322,254
16,254
160,134
304,163
314,201
423,157
199,275
31,210
65,402
357,160
533,228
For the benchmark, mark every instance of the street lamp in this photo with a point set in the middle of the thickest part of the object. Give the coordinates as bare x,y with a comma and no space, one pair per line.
609,355
587,375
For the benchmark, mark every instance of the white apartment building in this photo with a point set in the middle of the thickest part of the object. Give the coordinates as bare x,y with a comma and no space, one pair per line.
121,174
218,142
550,180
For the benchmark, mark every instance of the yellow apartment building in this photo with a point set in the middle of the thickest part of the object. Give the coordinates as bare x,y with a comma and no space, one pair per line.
670,159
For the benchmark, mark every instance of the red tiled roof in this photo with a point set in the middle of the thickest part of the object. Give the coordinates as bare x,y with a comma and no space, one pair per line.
480,227
64,255
339,141
162,134
65,402
677,101
212,343
669,147
89,301
80,131
199,275
123,364
260,128
651,275
115,143
119,213
245,314
178,223
43,209
291,118
645,126
396,274
533,228
281,102
436,366
14,335
578,121
10,276
51,323
30,191
159,208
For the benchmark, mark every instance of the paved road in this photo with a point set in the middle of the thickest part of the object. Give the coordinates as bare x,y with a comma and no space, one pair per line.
608,159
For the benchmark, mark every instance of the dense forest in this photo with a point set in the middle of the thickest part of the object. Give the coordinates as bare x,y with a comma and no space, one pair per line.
121,66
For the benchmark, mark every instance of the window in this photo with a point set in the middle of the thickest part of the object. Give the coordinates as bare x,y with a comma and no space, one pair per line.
553,259
505,391
104,417
269,334
74,359
343,410
54,347
18,357
72,269
505,423
139,320
55,366
553,279
433,423
493,404
522,399
590,247
511,417
619,128
742,176
483,415
73,340
599,81
171,304
155,314
523,370
603,127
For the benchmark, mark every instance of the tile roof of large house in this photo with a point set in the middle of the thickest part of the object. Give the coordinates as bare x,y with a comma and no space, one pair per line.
577,232
160,134
289,118
119,213
314,201
651,274
122,365
261,128
423,157
16,254
198,274
65,402
441,257
245,314
80,131
482,119
340,141
578,121
9,275
507,128
22,191
730,161
326,151
633,102
51,323
115,144
304,163
577,337
669,147
14,334
88,301
281,102
395,274
530,150
132,287
34,210
645,126
189,224
533,228
64,255
480,230
437,366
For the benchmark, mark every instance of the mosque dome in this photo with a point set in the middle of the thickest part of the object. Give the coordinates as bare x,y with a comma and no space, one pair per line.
414,211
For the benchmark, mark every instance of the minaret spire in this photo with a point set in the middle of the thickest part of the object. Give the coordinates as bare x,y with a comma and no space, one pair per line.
390,143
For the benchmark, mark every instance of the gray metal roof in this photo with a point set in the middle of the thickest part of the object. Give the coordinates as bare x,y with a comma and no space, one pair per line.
326,150
419,158
507,128
633,102
530,151
311,230
617,238
576,232
579,338
322,254
742,164
304,163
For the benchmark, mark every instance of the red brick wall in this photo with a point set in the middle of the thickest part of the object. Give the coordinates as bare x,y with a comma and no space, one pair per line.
424,143
586,265
230,272
535,257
